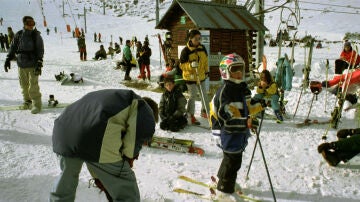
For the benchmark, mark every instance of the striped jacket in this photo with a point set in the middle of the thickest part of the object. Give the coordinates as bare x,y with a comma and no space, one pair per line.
229,112
103,126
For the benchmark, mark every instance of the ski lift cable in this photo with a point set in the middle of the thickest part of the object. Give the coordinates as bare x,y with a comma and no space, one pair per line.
40,3
324,4
72,15
63,17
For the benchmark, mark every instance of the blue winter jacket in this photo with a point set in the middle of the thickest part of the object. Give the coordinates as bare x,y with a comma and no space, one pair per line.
28,46
104,126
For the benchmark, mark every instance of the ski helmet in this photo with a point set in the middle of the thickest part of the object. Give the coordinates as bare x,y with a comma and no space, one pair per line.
228,63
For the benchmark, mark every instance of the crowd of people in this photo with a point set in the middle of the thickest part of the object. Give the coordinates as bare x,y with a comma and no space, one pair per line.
117,128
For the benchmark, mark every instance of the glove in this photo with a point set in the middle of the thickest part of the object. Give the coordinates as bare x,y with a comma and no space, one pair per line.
130,160
7,64
253,123
194,64
325,83
38,67
37,71
326,147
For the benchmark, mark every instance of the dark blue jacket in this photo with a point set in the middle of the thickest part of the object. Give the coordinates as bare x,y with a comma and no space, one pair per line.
104,126
28,46
230,110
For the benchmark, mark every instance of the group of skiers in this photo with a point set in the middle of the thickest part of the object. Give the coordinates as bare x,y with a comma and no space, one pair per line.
6,39
116,123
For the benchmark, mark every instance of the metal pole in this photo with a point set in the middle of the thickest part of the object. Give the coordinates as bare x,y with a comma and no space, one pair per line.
85,19
157,11
259,7
104,7
63,9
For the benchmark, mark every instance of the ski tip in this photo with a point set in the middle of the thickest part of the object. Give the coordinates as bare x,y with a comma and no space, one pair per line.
196,150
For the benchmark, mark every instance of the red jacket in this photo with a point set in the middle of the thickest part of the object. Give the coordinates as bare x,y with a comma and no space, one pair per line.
355,78
350,55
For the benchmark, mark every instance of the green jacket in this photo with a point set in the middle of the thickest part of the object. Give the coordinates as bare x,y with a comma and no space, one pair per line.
127,53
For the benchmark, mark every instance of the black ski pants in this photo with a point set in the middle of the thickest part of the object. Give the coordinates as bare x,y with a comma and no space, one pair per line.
227,173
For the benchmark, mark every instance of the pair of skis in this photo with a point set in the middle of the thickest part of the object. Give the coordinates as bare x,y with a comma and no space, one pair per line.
173,144
211,188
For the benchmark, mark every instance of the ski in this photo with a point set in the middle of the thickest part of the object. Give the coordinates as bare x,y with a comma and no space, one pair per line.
44,106
177,145
212,187
309,122
200,195
342,91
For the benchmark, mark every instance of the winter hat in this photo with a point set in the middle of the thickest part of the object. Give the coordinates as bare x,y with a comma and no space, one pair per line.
193,33
169,79
348,44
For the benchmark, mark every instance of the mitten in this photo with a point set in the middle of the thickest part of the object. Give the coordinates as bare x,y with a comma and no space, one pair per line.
7,64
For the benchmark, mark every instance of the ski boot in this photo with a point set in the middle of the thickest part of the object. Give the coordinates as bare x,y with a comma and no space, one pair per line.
279,117
27,104
52,102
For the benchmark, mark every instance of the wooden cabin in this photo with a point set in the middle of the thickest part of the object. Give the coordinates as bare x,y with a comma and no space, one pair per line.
224,28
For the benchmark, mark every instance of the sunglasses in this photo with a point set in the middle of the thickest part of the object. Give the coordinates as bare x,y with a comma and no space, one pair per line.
236,68
30,22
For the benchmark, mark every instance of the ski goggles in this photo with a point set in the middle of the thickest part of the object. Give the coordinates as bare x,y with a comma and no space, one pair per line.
29,22
236,68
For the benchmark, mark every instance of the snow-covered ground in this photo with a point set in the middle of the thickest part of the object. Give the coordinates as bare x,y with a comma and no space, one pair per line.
28,167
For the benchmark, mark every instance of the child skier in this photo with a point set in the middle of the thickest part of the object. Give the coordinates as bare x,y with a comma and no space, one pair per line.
172,107
268,90
230,113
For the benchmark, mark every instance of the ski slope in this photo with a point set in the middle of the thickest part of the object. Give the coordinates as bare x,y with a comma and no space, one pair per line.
28,167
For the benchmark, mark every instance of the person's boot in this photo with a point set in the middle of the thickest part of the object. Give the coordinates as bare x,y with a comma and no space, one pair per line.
127,78
204,114
194,121
27,104
36,108
331,157
279,117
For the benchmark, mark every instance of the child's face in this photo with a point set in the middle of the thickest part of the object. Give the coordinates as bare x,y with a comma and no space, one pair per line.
169,86
236,72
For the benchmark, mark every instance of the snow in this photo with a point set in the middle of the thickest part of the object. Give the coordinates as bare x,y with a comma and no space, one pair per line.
28,167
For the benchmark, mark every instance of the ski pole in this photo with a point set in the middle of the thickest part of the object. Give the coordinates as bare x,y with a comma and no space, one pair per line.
256,141
297,105
311,104
326,83
263,156
202,95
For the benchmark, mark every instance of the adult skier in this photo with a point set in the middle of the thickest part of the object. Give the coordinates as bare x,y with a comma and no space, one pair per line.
28,47
106,130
